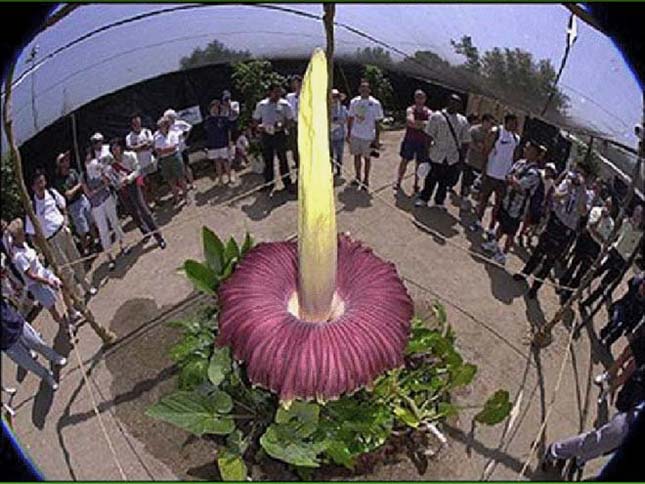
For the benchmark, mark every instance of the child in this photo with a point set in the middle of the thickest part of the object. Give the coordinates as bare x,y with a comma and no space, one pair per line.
242,146
40,282
522,182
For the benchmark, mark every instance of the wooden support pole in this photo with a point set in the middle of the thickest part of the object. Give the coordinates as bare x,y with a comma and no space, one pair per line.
69,296
328,20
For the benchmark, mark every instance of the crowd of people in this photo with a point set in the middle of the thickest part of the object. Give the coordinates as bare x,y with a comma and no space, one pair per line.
570,213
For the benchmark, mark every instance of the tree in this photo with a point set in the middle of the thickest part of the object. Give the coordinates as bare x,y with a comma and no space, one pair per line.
10,198
214,53
373,55
379,84
466,48
253,78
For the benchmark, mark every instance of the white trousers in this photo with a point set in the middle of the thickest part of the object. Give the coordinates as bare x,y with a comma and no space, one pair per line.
104,213
31,340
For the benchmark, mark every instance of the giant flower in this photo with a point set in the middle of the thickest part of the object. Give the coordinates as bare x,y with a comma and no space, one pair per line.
325,316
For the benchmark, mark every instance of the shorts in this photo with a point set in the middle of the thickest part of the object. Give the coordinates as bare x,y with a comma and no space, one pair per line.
45,295
81,214
411,149
150,168
492,185
360,147
507,224
172,168
218,154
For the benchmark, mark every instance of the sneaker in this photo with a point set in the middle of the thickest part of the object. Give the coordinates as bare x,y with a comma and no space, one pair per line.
489,234
62,361
490,246
519,277
49,379
420,203
93,291
355,183
33,354
500,258
162,244
111,266
75,315
476,226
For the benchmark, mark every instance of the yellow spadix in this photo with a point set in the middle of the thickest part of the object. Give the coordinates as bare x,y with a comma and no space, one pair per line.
317,238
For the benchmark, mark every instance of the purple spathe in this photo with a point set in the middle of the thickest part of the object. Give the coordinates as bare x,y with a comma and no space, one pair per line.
300,359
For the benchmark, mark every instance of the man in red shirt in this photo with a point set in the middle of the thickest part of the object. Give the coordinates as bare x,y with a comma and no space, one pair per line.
415,141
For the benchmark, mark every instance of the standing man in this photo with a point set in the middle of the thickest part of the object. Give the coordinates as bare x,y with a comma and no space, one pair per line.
475,159
569,205
182,128
415,142
339,115
363,131
68,183
293,98
450,135
49,206
141,141
233,110
99,150
500,152
274,115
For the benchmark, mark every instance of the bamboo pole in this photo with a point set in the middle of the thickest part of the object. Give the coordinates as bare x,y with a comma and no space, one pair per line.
328,20
69,296
542,336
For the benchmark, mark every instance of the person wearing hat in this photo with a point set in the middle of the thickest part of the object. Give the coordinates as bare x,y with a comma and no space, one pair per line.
415,142
293,98
140,140
68,183
167,145
182,128
99,150
522,182
570,203
339,116
449,133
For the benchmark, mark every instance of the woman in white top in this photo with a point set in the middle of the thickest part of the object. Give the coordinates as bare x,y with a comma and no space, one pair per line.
167,146
97,184
43,285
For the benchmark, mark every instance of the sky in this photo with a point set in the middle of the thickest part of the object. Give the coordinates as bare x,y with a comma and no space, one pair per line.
604,92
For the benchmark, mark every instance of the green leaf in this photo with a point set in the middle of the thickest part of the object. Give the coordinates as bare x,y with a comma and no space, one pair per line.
340,453
231,466
446,410
232,251
440,313
228,270
406,416
237,443
282,443
221,402
220,365
193,412
496,408
463,375
304,412
213,250
193,373
203,277
247,244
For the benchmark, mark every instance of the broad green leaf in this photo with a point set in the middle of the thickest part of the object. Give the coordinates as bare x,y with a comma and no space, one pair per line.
228,270
213,250
496,408
304,412
237,443
232,251
231,466
185,348
446,410
406,416
247,244
192,412
220,365
221,402
463,375
339,452
282,443
203,277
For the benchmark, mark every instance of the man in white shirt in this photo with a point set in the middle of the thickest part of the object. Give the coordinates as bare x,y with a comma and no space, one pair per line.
49,206
501,151
274,116
141,141
449,133
629,240
363,131
182,128
99,150
293,98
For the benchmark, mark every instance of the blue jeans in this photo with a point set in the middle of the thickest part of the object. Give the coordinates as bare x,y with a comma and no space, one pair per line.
337,148
81,214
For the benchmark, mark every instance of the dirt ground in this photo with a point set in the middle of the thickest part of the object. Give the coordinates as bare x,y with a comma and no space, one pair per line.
487,309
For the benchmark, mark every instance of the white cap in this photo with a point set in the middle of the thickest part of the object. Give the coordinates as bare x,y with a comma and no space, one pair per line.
170,113
96,137
335,92
551,166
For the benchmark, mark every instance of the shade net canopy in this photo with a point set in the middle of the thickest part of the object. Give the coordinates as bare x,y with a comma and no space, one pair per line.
101,49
